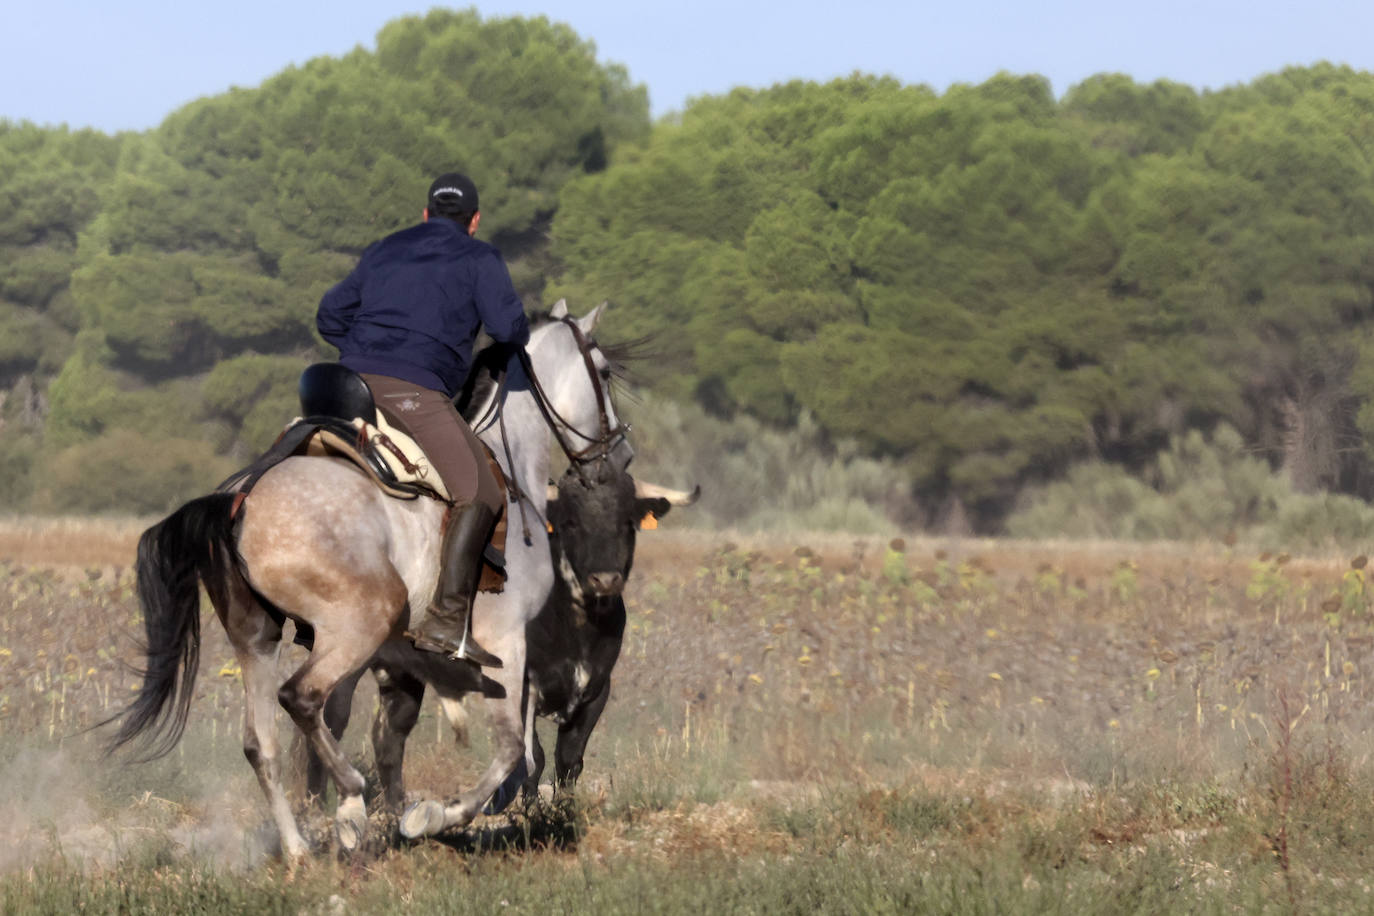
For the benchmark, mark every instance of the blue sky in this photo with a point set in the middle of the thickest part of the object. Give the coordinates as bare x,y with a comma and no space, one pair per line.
127,64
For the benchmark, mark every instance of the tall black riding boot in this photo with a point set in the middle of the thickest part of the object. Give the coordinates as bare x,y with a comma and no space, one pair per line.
447,626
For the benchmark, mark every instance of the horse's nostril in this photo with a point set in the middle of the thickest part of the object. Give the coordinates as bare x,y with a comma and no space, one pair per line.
606,583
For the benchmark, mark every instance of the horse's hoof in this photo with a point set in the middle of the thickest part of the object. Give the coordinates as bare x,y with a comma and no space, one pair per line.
424,818
350,824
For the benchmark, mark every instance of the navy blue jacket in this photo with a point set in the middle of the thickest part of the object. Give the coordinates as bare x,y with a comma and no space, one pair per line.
413,305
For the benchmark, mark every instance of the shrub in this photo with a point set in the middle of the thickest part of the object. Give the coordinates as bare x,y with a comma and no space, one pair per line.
124,471
754,477
1199,488
18,454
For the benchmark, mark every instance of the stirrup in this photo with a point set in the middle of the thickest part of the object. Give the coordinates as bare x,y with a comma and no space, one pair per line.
469,651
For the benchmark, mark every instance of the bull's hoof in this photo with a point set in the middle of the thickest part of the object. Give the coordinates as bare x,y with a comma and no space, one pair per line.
350,824
424,818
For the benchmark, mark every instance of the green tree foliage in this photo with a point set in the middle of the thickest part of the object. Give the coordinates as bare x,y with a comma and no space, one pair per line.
1164,117
257,395
125,471
899,264
977,290
1256,244
755,477
223,227
52,183
992,285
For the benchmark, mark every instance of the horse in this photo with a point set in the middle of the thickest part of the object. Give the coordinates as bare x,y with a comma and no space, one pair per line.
316,541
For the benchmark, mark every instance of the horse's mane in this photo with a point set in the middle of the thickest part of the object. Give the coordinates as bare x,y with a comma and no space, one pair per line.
492,358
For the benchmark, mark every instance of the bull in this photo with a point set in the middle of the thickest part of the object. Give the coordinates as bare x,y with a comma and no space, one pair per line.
574,641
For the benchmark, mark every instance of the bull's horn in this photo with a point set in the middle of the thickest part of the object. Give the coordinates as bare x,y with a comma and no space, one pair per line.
675,497
553,492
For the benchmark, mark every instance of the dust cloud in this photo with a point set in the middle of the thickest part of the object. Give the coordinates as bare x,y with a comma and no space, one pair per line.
53,807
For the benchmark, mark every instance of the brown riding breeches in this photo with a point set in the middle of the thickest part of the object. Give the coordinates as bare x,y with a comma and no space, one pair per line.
449,443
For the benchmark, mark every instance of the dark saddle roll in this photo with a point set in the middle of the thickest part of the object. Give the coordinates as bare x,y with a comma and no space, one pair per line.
334,390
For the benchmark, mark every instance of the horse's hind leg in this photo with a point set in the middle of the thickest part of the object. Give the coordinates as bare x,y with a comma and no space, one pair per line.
256,638
261,747
341,648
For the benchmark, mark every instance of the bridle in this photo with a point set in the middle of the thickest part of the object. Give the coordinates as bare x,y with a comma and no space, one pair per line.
598,448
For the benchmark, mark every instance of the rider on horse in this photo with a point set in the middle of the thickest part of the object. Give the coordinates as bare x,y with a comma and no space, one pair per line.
406,319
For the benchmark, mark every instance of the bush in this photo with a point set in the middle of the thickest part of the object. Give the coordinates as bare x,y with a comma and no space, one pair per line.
1319,520
126,472
18,453
754,477
1197,489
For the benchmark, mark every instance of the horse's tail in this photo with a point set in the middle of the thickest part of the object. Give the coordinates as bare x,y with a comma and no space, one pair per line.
194,544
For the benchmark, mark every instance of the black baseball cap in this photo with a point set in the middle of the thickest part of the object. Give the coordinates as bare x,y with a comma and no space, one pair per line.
453,190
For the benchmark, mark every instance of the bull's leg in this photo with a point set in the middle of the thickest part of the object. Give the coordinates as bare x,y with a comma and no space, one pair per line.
338,653
399,696
506,708
572,739
529,792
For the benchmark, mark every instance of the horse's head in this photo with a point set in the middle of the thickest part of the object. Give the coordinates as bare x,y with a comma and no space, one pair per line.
577,378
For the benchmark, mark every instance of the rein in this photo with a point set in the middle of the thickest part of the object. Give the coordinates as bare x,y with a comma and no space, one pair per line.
598,447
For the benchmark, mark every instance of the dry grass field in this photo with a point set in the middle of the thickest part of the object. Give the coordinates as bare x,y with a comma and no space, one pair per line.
802,725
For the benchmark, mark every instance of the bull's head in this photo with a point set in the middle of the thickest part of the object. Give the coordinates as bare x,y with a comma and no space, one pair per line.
594,516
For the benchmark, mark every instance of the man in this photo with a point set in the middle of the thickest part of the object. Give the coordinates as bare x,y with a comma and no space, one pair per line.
406,319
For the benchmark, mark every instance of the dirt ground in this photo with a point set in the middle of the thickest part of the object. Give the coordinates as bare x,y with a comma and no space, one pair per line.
1155,691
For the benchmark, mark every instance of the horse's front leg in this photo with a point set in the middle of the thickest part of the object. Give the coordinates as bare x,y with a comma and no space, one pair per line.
507,705
338,710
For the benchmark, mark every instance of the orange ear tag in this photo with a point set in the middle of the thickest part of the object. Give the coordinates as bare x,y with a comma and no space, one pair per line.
648,522
549,525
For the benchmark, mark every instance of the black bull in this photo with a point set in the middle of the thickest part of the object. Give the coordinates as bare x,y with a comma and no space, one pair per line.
574,641
572,644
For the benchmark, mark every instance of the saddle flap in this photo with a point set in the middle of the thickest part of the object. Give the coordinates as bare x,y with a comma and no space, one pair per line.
493,577
402,454
374,453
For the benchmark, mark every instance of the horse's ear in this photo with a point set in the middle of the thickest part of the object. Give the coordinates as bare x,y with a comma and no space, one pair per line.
559,310
588,321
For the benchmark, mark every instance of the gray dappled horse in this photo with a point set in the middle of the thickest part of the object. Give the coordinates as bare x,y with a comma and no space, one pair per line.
318,541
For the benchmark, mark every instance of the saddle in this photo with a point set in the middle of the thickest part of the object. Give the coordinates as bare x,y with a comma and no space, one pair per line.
341,420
